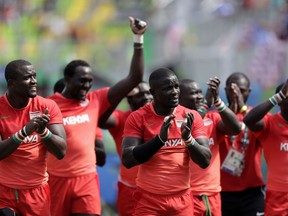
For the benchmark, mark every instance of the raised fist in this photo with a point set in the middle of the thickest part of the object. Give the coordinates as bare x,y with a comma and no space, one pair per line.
137,26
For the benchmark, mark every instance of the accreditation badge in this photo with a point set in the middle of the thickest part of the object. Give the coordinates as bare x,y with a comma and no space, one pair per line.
233,163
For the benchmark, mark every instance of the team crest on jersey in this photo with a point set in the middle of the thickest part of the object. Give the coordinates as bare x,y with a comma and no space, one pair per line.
207,122
84,103
34,114
179,122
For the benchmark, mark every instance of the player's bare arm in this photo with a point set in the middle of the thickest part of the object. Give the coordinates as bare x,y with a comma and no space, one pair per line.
8,146
135,76
107,119
56,145
53,136
212,91
121,89
237,100
100,153
229,124
254,118
198,148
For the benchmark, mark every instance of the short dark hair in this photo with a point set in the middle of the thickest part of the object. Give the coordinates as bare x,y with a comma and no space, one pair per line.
158,74
184,82
237,75
69,70
59,85
13,67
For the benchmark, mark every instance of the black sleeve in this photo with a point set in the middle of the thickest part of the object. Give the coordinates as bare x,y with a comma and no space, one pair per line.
145,151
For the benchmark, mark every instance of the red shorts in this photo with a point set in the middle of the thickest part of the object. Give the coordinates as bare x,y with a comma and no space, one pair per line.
276,203
149,204
28,202
79,194
125,200
205,204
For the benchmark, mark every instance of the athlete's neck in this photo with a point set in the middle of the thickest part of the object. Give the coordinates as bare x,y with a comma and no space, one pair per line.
17,102
163,111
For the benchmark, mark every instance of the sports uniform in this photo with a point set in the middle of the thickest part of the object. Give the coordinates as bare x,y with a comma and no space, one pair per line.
205,183
274,139
165,174
242,192
127,177
75,175
99,134
23,179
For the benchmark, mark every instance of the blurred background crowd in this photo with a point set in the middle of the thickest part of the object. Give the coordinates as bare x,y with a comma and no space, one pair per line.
197,39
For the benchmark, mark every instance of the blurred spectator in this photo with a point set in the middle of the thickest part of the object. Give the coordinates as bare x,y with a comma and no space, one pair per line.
270,53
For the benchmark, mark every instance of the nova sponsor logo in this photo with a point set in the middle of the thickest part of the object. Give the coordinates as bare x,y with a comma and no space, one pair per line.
284,147
79,119
173,142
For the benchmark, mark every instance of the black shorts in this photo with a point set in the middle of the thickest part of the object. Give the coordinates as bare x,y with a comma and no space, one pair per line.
249,202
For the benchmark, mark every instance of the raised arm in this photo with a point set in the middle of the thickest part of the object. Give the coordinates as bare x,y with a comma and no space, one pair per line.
118,91
121,89
254,118
229,123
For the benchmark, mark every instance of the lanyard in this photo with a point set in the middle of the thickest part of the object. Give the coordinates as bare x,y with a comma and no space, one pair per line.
244,139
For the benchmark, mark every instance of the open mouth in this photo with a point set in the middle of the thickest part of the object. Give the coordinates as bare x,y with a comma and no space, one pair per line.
175,100
199,103
33,88
83,92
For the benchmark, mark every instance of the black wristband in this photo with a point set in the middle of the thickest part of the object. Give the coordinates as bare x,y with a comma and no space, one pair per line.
145,151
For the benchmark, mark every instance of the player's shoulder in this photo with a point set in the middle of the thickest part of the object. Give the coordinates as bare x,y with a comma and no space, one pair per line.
148,108
42,100
4,102
183,110
98,92
212,114
144,111
55,96
2,98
